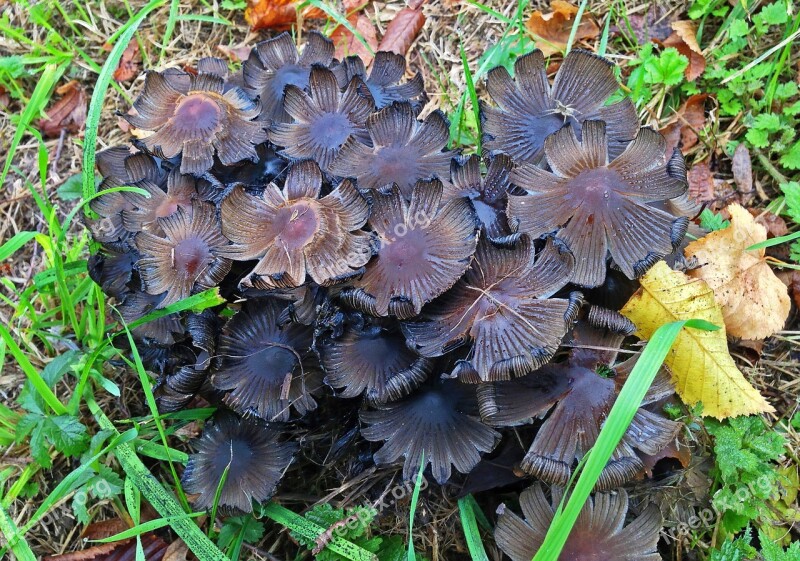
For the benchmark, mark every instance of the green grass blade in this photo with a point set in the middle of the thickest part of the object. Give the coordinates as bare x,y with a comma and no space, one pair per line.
619,418
575,25
473,96
341,20
17,241
96,103
149,526
470,525
774,241
412,555
20,548
170,29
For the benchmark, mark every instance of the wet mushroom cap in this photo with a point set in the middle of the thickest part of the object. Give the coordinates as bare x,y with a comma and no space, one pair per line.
501,308
599,533
439,421
265,366
529,110
292,232
387,70
249,455
181,191
596,206
425,245
403,151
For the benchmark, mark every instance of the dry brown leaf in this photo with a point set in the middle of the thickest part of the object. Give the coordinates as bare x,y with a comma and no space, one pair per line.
755,303
702,368
690,118
684,39
701,183
68,113
742,168
402,30
5,99
650,25
281,14
237,53
154,550
792,281
554,28
347,44
675,450
176,551
775,225
128,67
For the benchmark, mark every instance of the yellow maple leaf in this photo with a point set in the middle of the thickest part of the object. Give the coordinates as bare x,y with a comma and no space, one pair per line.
755,303
702,369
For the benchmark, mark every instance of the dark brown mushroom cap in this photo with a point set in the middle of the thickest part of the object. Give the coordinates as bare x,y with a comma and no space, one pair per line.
265,367
275,64
489,193
160,331
530,110
596,206
383,81
187,257
253,174
599,533
501,307
374,360
112,270
403,150
437,420
292,232
517,402
181,191
575,422
249,451
322,119
425,245
197,123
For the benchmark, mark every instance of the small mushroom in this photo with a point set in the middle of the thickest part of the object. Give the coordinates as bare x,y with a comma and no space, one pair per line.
387,70
503,310
425,245
186,258
438,420
265,367
293,232
599,533
181,191
530,110
249,455
403,150
322,119
275,63
596,206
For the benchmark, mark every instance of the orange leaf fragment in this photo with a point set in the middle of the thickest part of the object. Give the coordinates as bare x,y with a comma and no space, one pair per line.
68,113
278,14
554,28
128,67
348,44
684,39
402,31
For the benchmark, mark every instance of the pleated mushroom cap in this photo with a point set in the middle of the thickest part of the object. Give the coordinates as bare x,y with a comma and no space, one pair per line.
384,78
599,533
146,210
403,150
529,110
438,420
596,206
265,366
292,232
502,310
198,122
425,245
247,452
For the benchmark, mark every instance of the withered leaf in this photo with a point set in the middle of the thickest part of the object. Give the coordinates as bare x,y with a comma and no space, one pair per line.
348,44
684,39
128,67
755,303
688,120
402,31
154,550
68,113
278,14
237,53
554,28
742,168
701,183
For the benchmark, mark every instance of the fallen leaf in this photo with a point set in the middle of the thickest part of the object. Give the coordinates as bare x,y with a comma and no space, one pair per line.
348,44
675,450
5,99
685,40
554,28
792,281
701,183
702,368
775,225
68,113
128,67
689,119
402,30
652,24
237,53
278,14
153,546
755,303
742,168
176,551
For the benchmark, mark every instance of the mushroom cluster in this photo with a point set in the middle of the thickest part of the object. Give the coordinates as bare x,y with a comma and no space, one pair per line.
361,261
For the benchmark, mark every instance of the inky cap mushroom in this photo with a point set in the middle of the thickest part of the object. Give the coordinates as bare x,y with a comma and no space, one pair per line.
374,360
292,232
198,122
275,64
383,81
247,453
501,307
439,421
596,206
265,367
323,119
403,150
529,110
181,191
599,532
425,246
186,258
